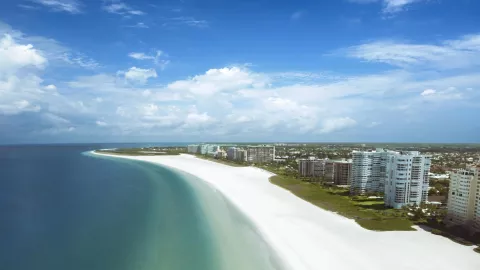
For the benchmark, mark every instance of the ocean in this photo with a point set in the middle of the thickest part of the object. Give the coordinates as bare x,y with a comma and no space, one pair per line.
63,208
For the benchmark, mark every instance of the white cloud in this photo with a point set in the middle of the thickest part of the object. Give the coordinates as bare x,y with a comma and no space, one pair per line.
216,80
139,25
230,103
139,75
18,107
189,21
449,54
392,6
374,124
52,50
337,124
70,6
15,56
428,92
101,123
80,60
197,118
50,87
389,6
29,7
450,93
156,58
118,7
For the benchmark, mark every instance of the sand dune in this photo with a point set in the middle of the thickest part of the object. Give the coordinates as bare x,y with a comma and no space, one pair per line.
307,237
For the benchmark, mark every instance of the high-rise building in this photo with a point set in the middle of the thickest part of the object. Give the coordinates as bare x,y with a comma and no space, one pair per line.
232,153
193,148
407,179
338,171
369,171
311,167
401,176
236,154
260,154
242,155
464,199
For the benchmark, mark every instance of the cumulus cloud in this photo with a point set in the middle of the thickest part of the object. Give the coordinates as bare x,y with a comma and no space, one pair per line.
56,53
15,56
428,92
229,103
18,107
217,80
18,89
139,75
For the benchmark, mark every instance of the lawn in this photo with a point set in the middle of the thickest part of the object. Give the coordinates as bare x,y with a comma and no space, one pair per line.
222,161
368,213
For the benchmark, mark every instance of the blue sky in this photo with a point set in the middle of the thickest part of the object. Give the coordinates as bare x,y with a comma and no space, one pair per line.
333,70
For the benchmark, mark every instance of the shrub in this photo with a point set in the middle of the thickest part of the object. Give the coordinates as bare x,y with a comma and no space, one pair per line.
477,249
437,232
462,241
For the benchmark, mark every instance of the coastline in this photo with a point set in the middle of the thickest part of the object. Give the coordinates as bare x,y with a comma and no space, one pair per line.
307,237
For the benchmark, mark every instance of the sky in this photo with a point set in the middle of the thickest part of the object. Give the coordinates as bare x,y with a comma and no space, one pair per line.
218,70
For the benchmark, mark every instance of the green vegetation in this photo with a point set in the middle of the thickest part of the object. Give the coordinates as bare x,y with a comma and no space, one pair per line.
439,187
223,161
150,151
458,234
477,249
368,213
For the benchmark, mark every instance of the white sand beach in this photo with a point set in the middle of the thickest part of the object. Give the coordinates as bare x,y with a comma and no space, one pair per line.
308,237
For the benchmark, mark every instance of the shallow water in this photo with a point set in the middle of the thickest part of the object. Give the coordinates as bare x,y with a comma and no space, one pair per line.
61,209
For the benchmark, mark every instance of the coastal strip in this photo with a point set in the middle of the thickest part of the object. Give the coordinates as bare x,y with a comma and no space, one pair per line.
308,237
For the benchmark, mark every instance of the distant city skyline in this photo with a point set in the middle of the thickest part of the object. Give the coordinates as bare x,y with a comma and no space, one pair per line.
77,71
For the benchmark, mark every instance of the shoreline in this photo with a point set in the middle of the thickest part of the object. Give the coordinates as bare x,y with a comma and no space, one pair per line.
307,237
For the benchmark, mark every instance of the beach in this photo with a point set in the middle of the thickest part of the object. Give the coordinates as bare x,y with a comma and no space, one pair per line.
307,237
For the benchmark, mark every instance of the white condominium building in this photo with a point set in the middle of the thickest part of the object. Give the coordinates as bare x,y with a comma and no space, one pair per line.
401,176
407,179
193,148
464,198
260,154
369,170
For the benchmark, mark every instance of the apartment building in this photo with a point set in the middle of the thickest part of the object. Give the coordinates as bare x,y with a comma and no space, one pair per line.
401,176
311,167
407,180
260,154
193,148
338,171
464,199
236,154
209,149
368,171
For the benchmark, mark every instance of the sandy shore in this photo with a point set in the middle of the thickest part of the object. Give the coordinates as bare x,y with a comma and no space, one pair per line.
307,237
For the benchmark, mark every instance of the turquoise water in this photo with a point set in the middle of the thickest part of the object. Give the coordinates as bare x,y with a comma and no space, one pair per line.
61,209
